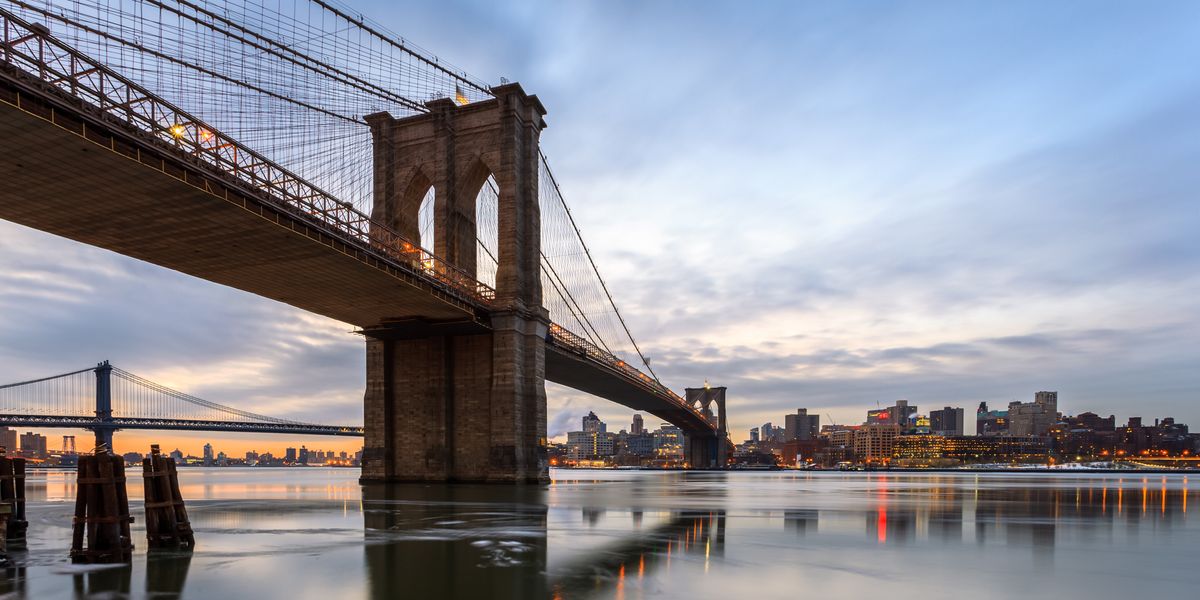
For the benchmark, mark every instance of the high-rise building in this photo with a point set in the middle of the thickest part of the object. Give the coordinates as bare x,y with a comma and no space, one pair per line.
8,439
899,414
638,426
303,455
1033,418
33,445
251,457
68,444
289,455
948,421
801,426
208,454
990,422
592,423
754,435
176,456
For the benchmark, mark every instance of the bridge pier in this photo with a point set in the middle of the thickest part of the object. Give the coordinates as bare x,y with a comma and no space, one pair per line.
704,451
462,401
457,407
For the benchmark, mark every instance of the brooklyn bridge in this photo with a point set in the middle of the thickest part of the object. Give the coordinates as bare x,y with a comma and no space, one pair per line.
309,156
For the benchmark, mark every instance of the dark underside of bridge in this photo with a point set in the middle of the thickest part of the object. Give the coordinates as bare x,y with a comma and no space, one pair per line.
152,207
567,368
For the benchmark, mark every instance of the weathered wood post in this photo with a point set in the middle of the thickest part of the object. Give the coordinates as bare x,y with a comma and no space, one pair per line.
5,513
101,511
167,524
12,495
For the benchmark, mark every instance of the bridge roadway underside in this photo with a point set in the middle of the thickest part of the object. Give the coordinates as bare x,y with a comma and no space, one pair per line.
567,368
58,181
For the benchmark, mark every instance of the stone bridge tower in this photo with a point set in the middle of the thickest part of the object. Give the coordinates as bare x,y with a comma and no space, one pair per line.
708,452
465,400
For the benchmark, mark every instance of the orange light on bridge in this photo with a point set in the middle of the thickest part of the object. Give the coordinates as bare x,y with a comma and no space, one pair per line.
178,130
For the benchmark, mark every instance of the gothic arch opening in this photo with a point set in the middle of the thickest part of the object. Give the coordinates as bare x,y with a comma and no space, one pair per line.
486,210
426,220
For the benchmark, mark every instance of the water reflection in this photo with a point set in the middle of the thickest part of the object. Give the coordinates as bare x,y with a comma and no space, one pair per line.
640,535
610,568
166,572
103,581
455,541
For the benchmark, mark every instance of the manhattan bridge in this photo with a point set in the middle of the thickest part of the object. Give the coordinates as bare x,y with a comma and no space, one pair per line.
300,151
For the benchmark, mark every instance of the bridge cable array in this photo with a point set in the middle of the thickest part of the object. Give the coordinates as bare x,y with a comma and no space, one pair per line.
293,80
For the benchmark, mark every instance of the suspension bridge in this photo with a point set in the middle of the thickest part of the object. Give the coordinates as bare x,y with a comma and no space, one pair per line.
104,399
304,153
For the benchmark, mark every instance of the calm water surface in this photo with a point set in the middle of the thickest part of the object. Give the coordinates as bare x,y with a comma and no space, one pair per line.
315,533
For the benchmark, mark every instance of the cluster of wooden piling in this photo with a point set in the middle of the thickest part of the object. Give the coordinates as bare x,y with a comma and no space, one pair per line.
100,532
101,511
12,501
167,524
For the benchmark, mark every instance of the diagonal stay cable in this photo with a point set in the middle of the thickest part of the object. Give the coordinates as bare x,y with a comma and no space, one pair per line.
603,285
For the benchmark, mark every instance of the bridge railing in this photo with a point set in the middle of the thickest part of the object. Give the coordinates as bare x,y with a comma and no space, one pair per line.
582,346
32,49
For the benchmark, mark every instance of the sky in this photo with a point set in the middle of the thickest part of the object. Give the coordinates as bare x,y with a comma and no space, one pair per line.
814,204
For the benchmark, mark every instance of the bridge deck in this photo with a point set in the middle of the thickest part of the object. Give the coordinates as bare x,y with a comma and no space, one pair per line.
577,372
59,181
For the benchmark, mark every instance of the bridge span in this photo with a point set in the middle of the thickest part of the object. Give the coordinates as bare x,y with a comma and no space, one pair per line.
106,399
456,365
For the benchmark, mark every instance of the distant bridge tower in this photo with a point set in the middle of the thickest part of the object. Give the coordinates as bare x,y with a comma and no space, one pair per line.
463,400
104,427
708,452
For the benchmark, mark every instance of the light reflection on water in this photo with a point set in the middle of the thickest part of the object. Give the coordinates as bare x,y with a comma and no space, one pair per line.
315,533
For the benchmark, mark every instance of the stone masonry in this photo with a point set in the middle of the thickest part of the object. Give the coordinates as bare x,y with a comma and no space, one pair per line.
445,404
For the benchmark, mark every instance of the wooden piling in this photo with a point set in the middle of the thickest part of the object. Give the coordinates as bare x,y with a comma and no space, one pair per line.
167,524
101,511
12,495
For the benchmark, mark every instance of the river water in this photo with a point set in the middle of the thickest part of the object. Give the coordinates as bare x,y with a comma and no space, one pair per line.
315,533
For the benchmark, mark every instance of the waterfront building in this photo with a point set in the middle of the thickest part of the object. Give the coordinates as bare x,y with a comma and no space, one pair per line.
303,457
753,435
668,443
208,455
874,443
801,426
1033,418
33,445
939,450
948,421
289,455
8,439
589,445
640,444
990,422
177,456
843,438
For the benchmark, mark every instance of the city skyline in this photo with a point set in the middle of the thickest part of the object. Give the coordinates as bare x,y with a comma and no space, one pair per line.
952,245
